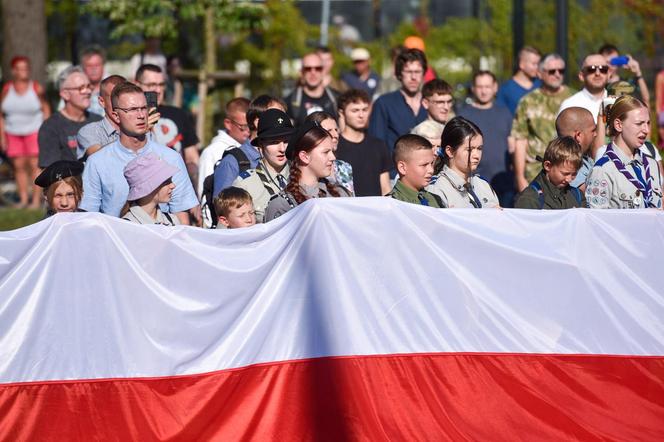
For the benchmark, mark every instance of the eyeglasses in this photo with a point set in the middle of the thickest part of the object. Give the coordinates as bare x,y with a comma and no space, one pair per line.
154,85
82,88
593,69
561,71
442,102
312,68
133,110
242,127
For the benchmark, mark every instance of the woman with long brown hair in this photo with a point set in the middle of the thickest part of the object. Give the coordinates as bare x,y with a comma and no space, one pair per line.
311,156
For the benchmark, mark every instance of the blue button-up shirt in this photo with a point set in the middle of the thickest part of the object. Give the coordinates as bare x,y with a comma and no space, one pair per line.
105,188
392,117
229,169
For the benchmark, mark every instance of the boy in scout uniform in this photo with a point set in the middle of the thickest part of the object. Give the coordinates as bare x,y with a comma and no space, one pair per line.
551,188
272,173
413,159
624,177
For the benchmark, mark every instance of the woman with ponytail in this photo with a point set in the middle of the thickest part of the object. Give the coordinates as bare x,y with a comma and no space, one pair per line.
311,156
454,180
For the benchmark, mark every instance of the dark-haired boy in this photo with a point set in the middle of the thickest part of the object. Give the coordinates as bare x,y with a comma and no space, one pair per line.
437,99
413,159
551,188
368,155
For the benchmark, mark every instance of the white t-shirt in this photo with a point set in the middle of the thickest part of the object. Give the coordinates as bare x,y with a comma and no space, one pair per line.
584,99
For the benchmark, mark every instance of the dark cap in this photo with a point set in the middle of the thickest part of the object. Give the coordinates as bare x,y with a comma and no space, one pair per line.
273,124
58,171
299,133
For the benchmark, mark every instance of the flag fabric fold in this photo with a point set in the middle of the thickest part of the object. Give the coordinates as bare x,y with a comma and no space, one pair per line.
344,319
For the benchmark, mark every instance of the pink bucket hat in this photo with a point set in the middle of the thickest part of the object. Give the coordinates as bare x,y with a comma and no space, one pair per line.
146,173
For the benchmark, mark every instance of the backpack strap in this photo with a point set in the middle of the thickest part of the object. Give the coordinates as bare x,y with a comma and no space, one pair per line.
168,217
540,194
577,194
651,150
241,158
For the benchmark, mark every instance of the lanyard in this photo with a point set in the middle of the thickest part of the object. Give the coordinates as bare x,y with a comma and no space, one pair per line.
644,187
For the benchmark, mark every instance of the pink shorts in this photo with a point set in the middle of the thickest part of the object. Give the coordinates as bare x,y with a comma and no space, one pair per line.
22,145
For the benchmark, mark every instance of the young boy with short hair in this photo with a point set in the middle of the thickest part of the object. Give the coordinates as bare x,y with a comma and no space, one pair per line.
413,159
234,208
551,188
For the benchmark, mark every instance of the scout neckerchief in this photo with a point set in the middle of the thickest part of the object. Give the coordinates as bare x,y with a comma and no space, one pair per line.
645,187
467,187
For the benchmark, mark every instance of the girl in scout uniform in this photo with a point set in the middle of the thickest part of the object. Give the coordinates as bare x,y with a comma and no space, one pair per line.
62,186
454,179
624,177
311,156
150,184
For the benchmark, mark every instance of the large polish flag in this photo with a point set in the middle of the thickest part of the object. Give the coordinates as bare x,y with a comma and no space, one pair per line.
354,319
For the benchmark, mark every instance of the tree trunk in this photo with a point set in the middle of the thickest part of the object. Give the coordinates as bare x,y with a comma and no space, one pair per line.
24,33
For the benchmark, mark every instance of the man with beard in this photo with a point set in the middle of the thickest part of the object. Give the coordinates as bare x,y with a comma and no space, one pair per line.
396,113
368,155
495,121
524,80
534,124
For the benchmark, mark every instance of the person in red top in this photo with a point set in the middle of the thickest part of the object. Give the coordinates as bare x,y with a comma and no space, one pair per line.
24,108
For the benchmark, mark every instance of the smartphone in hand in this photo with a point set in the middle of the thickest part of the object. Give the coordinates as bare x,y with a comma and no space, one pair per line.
151,98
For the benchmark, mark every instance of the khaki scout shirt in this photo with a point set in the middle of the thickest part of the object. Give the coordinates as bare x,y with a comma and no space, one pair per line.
262,184
452,190
607,188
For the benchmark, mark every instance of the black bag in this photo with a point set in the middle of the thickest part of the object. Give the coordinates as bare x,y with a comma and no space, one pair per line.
207,197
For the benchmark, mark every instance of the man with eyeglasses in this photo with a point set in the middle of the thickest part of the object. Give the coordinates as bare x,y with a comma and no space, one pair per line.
397,113
105,188
175,128
438,101
534,123
311,95
57,134
495,121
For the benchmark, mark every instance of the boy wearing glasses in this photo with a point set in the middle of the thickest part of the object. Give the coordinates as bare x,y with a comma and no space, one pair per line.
534,123
311,95
57,135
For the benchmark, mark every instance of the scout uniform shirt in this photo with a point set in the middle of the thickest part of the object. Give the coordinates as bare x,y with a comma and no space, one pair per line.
454,192
262,183
137,215
535,121
404,193
284,201
541,194
609,188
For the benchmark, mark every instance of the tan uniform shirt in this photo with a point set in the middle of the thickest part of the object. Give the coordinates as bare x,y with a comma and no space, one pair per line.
262,185
608,188
452,189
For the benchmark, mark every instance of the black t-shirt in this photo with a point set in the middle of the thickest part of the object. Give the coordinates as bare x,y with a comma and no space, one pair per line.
299,104
369,159
57,138
175,128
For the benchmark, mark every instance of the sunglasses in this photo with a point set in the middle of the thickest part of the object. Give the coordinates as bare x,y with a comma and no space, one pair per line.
593,69
561,71
312,68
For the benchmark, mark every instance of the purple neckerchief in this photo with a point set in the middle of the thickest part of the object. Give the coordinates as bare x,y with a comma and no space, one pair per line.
647,190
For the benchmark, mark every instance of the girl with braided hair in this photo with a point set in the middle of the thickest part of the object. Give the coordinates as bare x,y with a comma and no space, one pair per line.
311,156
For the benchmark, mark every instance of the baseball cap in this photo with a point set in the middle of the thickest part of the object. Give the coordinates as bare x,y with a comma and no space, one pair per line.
359,54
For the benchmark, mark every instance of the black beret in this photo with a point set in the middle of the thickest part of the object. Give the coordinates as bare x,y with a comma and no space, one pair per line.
299,133
57,171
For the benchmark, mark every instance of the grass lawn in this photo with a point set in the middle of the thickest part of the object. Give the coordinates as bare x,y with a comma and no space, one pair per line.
11,219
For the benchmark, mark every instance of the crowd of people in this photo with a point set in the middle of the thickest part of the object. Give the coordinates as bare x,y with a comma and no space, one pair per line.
533,142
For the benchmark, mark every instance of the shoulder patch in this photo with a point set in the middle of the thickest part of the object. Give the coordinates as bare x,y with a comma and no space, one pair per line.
244,174
434,179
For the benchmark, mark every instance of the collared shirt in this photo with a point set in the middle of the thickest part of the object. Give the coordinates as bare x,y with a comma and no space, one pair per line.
404,193
392,117
586,166
105,188
451,188
229,169
137,215
608,188
99,133
586,100
284,201
262,185
551,197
